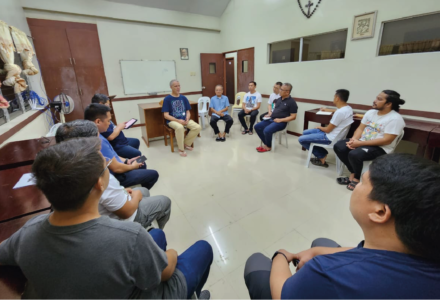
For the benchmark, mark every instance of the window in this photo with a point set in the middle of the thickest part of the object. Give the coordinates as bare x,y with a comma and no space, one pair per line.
244,66
212,68
318,47
414,35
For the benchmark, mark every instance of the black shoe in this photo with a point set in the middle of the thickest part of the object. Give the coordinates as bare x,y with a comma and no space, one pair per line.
205,295
223,139
218,139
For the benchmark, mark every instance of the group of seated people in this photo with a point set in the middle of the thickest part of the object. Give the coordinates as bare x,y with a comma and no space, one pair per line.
99,241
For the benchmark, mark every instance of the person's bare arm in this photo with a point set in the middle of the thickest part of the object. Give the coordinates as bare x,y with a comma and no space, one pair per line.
386,140
327,129
358,133
279,273
288,119
188,116
327,109
257,107
117,167
269,109
129,207
172,262
116,131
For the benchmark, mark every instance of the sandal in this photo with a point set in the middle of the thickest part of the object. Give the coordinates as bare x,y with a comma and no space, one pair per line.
352,185
182,153
260,148
189,148
263,150
250,132
317,162
343,180
245,132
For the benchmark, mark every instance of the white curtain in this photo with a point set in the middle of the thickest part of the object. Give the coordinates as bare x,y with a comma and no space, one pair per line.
24,47
7,56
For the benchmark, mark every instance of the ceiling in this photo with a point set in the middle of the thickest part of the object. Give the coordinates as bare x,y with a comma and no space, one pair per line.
214,8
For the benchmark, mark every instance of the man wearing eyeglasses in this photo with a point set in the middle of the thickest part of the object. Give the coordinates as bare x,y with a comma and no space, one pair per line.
284,112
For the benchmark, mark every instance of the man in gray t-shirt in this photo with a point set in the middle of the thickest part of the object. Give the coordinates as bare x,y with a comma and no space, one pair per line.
76,253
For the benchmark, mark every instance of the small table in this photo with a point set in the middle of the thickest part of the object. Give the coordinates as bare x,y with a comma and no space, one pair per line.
19,202
151,116
22,153
416,131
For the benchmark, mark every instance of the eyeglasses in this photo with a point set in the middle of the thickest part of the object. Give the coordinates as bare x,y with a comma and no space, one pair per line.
108,161
283,90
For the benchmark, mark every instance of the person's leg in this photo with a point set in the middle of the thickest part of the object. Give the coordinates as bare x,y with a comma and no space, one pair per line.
128,151
254,115
342,152
179,132
195,264
194,130
213,124
263,115
323,242
135,143
259,128
146,178
229,121
257,276
159,237
318,137
361,154
270,130
241,115
153,208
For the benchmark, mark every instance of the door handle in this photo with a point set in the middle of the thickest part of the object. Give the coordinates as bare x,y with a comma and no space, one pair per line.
74,62
80,92
203,87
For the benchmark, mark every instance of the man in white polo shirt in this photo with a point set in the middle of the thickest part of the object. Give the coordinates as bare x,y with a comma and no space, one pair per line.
342,117
271,103
251,105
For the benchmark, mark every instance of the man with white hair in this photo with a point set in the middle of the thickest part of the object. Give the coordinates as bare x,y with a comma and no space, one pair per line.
177,111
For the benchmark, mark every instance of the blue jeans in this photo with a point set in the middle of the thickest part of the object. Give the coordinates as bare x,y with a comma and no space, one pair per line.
315,136
194,263
146,178
267,128
130,150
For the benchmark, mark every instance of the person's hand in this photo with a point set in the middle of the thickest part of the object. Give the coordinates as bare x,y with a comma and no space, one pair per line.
136,194
289,256
247,110
186,121
322,109
269,114
134,163
121,126
355,144
319,127
304,257
181,122
221,114
277,120
129,191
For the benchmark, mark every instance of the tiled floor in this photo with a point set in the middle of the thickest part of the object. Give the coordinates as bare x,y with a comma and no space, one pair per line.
242,202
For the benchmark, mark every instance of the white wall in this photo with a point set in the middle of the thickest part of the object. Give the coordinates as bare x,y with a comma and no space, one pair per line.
414,76
12,13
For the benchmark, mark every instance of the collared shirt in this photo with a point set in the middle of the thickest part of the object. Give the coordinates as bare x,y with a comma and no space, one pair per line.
284,108
118,141
107,149
219,103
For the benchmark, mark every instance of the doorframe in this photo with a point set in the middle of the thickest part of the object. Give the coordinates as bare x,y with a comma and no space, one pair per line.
224,70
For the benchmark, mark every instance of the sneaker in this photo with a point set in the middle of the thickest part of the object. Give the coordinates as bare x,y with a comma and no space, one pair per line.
205,295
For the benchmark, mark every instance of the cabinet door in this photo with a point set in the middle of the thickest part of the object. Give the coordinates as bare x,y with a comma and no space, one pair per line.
89,68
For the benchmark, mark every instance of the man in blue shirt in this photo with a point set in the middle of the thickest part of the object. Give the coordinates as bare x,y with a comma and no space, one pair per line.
125,147
127,171
177,111
219,105
397,206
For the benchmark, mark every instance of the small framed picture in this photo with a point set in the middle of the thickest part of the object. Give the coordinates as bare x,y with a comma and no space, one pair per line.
363,26
184,54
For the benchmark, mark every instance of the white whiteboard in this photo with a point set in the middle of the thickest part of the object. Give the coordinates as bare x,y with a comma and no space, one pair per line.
147,76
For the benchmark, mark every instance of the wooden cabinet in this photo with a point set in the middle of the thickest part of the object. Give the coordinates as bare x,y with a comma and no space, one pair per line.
71,62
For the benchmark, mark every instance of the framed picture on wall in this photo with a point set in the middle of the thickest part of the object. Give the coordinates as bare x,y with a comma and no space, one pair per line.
184,54
364,25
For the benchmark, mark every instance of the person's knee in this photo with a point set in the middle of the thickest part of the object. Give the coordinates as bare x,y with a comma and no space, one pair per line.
241,113
255,257
153,174
339,146
136,143
166,202
157,234
145,192
324,242
205,249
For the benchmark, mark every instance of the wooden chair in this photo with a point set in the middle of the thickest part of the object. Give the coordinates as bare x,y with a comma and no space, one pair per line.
168,131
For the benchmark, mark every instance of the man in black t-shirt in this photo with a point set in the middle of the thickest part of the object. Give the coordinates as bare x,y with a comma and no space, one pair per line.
284,112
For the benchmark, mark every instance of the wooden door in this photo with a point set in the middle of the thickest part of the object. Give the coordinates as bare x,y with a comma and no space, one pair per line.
230,79
212,72
87,61
245,69
57,66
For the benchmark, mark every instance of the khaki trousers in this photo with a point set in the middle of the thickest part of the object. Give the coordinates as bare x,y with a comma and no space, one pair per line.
194,130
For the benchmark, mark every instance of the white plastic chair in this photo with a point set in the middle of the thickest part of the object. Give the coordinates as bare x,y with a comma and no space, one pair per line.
203,106
342,135
279,133
53,130
367,163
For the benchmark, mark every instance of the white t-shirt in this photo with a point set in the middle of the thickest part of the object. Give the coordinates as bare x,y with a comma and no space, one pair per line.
252,100
272,98
378,126
341,118
114,198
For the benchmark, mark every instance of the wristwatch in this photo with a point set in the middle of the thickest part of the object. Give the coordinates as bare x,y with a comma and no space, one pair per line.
126,161
278,252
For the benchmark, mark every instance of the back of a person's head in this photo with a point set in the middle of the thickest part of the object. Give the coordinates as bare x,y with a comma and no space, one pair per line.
96,111
66,172
410,186
343,94
100,98
393,97
76,129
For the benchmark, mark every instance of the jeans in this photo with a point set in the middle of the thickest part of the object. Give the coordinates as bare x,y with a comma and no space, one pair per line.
354,159
153,208
194,263
227,118
258,267
146,178
315,136
265,130
253,115
130,150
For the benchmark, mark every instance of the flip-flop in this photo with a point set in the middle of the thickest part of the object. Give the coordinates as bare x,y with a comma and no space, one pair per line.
259,148
317,162
343,180
263,150
182,153
250,132
189,148
352,185
245,132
